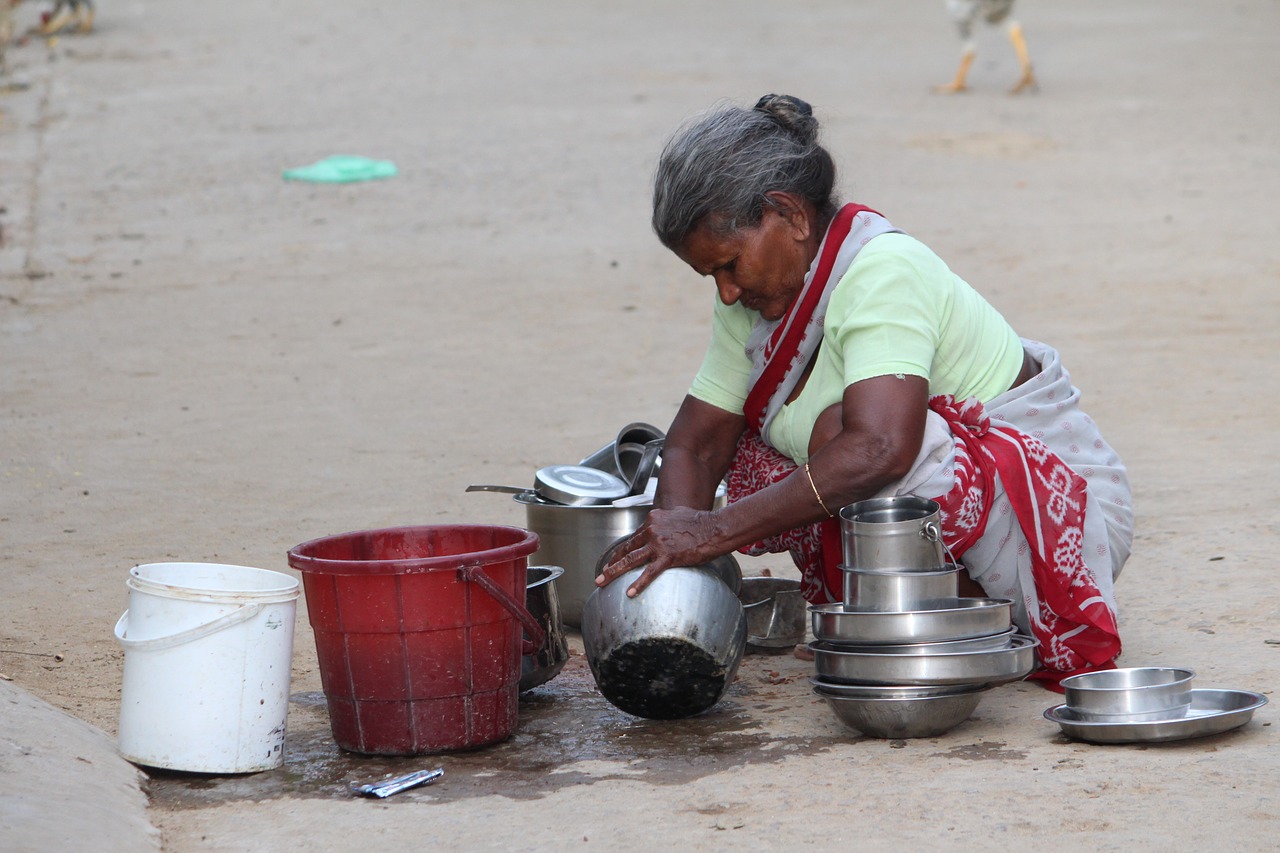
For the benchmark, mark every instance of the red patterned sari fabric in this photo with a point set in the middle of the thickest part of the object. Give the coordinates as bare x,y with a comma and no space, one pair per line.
1075,624
757,466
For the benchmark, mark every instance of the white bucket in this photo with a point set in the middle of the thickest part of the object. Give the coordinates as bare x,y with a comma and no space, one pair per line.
208,650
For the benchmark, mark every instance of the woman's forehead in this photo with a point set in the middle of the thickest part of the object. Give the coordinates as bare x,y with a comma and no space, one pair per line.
706,250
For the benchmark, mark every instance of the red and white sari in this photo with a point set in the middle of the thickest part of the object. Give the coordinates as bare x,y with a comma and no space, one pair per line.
1034,502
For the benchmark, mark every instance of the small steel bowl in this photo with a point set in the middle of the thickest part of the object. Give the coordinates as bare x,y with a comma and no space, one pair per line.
775,613
956,620
1134,694
899,591
919,716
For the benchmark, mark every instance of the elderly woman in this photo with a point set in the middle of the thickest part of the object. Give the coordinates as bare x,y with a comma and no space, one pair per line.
848,362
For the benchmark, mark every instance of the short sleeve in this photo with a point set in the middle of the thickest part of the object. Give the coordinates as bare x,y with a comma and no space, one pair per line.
726,369
885,317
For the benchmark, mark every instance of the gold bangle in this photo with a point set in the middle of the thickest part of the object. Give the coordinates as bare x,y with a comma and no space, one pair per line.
821,502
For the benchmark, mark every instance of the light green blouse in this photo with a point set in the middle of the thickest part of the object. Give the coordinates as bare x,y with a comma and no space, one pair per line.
898,310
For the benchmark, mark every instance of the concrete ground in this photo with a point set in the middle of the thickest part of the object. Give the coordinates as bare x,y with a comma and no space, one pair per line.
200,361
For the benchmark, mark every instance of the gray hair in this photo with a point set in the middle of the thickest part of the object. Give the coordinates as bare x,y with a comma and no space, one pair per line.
717,168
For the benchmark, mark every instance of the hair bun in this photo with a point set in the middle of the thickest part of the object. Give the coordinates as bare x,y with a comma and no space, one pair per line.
792,115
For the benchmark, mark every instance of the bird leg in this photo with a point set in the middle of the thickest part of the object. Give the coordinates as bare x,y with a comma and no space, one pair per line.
1028,79
962,73
84,18
55,20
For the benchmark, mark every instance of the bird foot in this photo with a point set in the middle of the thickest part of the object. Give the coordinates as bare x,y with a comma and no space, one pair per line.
1028,83
952,88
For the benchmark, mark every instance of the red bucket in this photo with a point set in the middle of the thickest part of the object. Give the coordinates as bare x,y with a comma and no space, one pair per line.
418,633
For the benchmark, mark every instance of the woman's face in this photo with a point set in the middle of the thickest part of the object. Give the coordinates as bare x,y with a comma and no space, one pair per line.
762,267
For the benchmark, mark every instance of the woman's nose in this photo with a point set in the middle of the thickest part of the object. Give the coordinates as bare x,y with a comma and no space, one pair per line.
729,292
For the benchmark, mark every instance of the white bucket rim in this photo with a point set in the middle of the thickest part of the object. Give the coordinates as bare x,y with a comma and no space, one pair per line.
276,586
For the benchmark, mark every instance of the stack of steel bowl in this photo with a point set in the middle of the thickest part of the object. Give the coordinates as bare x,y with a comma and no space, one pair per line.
904,655
1148,704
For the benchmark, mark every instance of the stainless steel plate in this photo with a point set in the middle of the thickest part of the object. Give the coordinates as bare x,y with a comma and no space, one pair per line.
960,619
1212,712
984,666
895,691
999,640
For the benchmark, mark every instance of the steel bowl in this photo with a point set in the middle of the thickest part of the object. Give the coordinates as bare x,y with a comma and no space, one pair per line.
1132,694
998,640
899,591
959,619
981,666
775,613
920,716
543,604
670,652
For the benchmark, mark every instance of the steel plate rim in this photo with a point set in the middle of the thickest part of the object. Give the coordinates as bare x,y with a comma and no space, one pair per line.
887,627
1018,645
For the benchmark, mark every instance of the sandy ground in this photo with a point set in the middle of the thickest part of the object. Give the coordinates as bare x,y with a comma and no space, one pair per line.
201,361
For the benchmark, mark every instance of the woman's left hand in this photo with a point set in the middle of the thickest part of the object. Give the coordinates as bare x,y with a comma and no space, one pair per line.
668,537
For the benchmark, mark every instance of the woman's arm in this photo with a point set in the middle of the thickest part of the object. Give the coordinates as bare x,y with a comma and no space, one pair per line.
696,455
875,442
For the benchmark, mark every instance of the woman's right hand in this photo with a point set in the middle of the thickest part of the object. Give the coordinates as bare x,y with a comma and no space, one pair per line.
668,538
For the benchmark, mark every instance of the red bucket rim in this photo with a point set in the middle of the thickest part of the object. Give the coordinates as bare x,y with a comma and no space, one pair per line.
525,545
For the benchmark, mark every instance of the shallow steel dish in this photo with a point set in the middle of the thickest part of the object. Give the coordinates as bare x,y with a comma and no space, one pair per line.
958,619
922,716
1139,692
1000,640
989,666
1212,712
894,691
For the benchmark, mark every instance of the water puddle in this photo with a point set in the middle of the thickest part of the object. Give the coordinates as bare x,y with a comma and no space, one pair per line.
568,735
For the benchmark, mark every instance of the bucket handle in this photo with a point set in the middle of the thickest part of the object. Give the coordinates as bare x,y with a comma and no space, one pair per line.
930,532
156,644
538,637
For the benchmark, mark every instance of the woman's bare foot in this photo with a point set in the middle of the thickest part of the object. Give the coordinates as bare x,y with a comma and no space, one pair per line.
803,652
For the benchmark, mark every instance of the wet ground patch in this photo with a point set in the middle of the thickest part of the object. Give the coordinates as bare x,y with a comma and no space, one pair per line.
568,735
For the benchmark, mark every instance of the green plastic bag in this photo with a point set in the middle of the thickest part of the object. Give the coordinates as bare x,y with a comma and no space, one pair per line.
342,169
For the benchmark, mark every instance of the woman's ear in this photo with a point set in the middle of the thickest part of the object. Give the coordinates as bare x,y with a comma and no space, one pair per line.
796,210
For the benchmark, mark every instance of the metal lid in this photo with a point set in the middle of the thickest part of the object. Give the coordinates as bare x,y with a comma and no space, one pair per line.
578,485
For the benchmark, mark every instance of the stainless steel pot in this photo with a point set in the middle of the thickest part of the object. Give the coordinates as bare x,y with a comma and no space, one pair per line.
544,605
898,534
670,652
574,537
